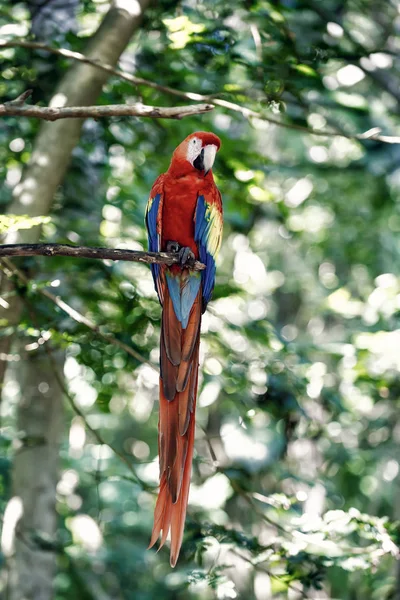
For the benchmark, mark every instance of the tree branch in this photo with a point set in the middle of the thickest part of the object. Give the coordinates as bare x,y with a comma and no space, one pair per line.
161,258
372,134
16,109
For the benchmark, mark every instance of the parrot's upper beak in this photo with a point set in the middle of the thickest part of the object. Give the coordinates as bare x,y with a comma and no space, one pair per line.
205,159
209,156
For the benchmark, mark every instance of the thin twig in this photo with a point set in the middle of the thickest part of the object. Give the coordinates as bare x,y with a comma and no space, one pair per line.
11,269
20,100
259,567
193,96
48,113
243,494
164,258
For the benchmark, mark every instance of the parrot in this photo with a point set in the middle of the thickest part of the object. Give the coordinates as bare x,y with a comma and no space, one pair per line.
183,215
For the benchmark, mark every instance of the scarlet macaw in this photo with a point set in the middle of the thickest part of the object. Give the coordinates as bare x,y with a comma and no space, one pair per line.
184,214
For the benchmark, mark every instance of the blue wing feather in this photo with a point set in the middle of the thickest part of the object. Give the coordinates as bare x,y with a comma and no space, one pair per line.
154,239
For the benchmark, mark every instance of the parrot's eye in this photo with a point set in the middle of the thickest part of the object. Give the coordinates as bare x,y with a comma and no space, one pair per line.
193,149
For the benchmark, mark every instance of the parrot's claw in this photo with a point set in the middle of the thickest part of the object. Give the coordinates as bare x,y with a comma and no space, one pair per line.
186,256
173,247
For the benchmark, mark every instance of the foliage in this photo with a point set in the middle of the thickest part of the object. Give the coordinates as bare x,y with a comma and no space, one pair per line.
297,451
10,223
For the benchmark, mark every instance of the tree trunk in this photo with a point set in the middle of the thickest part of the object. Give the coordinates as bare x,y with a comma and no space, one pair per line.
40,413
40,424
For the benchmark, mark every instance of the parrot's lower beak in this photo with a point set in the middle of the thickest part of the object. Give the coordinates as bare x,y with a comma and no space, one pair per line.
199,161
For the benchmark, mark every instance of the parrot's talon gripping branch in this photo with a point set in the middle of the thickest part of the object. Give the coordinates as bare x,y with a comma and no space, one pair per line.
186,257
173,247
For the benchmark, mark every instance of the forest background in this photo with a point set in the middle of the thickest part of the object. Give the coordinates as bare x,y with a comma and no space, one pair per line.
295,488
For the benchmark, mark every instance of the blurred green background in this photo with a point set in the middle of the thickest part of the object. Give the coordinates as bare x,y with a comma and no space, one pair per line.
295,489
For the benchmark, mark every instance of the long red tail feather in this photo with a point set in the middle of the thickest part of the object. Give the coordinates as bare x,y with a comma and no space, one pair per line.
179,359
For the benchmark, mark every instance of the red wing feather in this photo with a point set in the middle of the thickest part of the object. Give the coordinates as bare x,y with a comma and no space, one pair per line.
172,331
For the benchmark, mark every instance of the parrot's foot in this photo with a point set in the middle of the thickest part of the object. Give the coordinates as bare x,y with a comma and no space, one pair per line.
186,257
173,247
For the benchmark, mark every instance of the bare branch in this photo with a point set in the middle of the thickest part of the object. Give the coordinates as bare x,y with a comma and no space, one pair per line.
193,96
47,113
162,258
21,98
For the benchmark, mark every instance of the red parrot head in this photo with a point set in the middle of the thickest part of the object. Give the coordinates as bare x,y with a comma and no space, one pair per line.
196,154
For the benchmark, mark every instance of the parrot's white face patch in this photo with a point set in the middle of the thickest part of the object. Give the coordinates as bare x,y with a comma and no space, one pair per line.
194,149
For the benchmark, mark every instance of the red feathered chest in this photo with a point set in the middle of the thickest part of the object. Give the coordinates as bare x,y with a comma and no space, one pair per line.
179,207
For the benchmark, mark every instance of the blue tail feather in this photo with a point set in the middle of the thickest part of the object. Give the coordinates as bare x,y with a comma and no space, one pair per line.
183,293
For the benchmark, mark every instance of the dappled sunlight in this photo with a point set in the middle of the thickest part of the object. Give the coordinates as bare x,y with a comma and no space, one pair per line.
79,382
383,348
340,301
140,450
299,192
318,154
350,75
231,308
391,470
181,29
141,405
312,219
316,374
150,471
12,514
384,300
58,100
212,494
14,29
249,271
132,7
85,532
77,437
13,176
209,394
68,482
248,447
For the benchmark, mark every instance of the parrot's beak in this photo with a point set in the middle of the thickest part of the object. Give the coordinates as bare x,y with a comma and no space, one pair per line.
205,159
209,156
